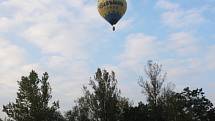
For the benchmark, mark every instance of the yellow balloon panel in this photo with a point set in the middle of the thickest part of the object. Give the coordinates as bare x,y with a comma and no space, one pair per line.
112,10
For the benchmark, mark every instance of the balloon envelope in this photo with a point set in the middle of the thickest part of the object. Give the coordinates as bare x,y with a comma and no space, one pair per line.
112,10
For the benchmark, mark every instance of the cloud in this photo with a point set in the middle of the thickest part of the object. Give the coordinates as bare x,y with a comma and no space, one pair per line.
61,33
64,38
13,63
180,53
175,16
210,57
167,5
10,54
125,24
183,44
137,47
179,69
5,24
50,24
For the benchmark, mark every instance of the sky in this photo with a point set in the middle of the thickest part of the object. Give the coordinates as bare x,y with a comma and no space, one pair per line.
70,40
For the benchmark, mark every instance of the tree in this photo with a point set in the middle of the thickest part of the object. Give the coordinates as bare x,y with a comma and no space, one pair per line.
189,105
7,119
197,105
57,116
137,113
32,102
153,89
71,115
153,86
172,107
103,103
82,111
107,104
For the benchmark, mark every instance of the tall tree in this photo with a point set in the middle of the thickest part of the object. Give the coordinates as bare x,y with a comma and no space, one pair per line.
107,102
32,102
197,105
82,111
103,103
137,113
152,87
172,105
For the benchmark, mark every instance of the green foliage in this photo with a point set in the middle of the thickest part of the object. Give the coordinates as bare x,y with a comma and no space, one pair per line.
6,119
56,116
189,105
166,105
152,87
196,105
72,115
104,103
32,102
138,113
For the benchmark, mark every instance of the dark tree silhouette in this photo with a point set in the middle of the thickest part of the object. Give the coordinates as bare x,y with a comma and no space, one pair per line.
153,88
104,103
137,113
32,102
197,105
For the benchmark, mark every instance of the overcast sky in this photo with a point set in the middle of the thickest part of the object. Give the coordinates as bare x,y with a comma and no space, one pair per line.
69,40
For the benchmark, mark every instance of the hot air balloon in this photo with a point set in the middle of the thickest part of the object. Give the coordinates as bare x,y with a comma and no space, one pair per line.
112,10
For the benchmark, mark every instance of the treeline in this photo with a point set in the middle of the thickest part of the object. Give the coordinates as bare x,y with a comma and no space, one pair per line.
102,101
